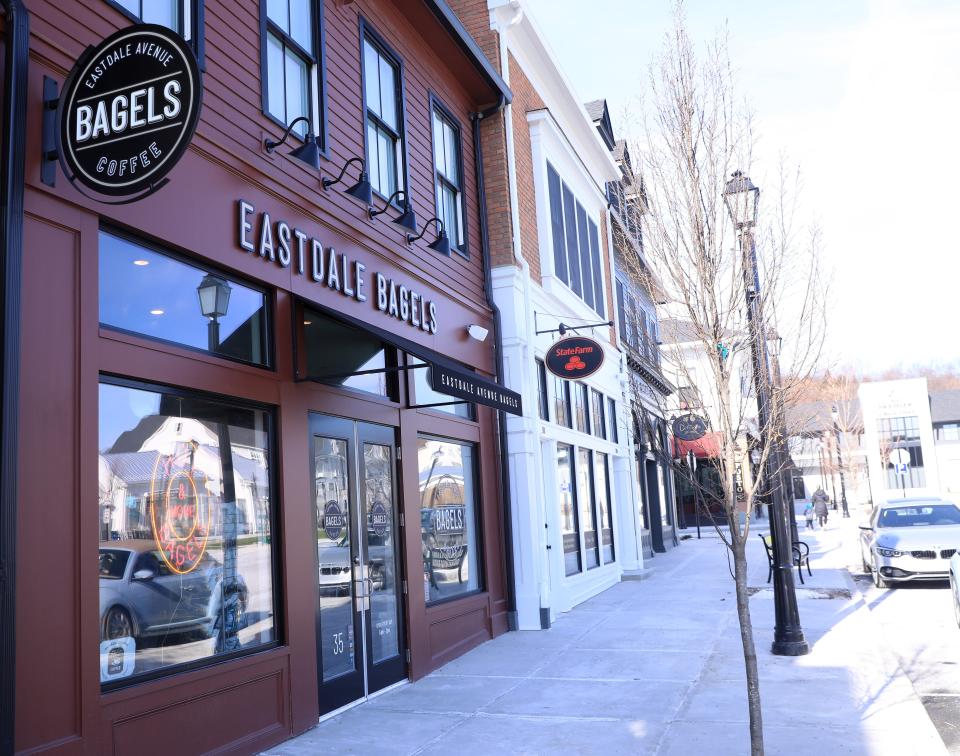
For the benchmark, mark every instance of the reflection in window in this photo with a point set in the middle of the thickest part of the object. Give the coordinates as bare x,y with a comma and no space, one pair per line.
597,414
446,166
381,96
603,505
356,351
184,517
448,520
612,420
151,294
425,395
581,415
542,404
902,433
569,525
169,13
561,401
588,512
290,61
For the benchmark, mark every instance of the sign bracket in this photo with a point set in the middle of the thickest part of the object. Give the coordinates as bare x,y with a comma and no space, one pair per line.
562,330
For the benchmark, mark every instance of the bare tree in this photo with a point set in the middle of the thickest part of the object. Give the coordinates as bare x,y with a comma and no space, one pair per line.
696,134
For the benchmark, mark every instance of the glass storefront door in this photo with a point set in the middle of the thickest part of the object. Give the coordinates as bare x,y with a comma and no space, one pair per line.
360,639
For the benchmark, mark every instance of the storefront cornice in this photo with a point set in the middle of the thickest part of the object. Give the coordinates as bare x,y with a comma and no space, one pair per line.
649,374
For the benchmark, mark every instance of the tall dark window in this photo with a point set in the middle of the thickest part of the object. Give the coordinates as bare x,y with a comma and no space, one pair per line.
382,99
602,471
581,407
448,176
542,404
612,420
290,62
597,414
588,510
576,243
569,519
561,401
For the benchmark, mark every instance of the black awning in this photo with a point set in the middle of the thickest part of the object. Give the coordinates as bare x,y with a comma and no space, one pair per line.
445,375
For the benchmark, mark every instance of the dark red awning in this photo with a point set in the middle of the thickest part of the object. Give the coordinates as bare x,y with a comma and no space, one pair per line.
703,448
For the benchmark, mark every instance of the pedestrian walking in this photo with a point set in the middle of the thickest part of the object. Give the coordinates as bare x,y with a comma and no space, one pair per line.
808,515
820,501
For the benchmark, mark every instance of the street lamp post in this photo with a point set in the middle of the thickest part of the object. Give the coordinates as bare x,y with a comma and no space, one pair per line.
774,342
214,295
835,414
741,196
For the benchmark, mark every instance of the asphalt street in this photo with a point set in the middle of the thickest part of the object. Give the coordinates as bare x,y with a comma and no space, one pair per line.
918,626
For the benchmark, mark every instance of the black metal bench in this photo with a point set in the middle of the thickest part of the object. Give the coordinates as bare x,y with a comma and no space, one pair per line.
801,556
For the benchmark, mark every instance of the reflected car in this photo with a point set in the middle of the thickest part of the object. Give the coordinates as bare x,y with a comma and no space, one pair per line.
910,539
141,597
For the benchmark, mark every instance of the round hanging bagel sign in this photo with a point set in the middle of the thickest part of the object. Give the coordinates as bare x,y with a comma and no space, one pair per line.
128,111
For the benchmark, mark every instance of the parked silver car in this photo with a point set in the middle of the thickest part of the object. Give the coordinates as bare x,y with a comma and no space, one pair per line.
910,539
141,597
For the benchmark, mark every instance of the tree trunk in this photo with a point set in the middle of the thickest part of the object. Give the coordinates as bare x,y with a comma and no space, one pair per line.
749,650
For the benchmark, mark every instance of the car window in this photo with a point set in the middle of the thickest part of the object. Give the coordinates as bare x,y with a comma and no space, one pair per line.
150,560
113,562
919,514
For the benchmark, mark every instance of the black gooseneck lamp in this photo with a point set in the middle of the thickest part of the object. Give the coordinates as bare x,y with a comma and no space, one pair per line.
308,152
407,219
441,244
362,189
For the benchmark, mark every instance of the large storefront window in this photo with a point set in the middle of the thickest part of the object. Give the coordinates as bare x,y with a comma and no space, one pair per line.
902,433
588,511
424,394
603,505
146,292
448,519
184,513
568,510
361,361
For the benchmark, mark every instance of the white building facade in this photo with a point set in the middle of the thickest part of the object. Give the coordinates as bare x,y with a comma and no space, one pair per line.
573,523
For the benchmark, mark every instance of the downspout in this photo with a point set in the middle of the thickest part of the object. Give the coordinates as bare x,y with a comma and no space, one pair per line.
11,263
506,496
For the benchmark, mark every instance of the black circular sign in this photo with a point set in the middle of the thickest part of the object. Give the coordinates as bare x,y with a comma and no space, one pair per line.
333,520
128,110
574,357
689,428
379,520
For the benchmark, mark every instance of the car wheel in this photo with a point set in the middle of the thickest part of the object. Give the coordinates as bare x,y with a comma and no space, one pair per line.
956,601
117,624
878,581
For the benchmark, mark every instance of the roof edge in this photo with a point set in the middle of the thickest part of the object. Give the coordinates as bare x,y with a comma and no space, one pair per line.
449,20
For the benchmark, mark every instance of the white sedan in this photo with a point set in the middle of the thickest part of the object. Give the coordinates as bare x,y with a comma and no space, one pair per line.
910,539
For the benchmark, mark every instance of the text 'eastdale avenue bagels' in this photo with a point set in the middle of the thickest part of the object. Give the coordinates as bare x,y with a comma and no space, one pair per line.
289,247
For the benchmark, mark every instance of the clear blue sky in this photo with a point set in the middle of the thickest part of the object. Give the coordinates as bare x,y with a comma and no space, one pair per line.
865,96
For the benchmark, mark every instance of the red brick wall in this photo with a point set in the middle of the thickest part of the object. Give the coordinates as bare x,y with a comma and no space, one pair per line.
525,99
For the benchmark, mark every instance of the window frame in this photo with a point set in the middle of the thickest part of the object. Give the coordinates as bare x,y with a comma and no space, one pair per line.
276,562
369,33
316,71
269,299
543,400
477,507
192,9
437,105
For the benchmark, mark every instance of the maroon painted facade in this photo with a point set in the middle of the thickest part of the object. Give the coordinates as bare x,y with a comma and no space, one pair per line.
257,700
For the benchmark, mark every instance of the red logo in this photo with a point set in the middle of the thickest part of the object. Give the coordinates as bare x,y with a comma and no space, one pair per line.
575,363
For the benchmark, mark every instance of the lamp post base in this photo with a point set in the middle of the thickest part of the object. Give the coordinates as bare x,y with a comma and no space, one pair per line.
791,646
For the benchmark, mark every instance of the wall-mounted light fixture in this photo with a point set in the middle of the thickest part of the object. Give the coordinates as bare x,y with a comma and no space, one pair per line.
441,244
361,190
477,332
407,219
308,152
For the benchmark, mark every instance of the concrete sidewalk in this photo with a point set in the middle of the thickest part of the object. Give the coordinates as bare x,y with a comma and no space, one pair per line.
656,667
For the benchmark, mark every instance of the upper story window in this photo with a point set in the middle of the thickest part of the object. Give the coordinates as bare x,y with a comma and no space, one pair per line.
290,62
638,327
542,404
448,176
576,244
382,100
183,16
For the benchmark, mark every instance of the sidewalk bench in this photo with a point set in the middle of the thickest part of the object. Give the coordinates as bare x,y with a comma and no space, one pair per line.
801,556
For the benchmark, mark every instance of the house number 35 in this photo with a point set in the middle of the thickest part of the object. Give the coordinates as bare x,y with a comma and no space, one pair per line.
337,643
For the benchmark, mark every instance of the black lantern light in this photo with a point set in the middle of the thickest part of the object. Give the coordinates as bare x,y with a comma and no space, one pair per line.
214,295
441,244
308,152
742,199
361,190
407,219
